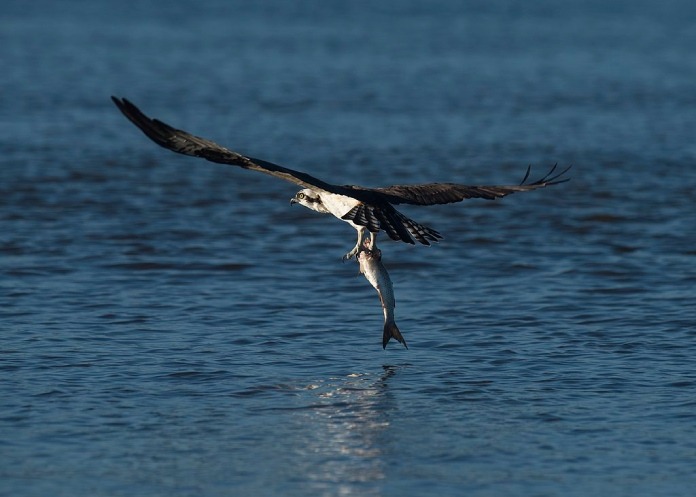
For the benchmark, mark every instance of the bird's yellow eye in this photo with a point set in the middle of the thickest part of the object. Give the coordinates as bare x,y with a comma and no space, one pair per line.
300,195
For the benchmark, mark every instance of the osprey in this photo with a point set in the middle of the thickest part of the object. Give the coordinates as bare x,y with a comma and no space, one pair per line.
370,209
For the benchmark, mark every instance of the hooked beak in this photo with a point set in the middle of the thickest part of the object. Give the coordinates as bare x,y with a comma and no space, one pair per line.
293,201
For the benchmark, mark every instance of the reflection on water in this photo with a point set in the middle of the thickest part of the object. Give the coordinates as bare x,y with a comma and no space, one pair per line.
348,442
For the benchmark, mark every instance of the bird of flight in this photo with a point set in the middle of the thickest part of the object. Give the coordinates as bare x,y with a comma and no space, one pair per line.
365,209
368,210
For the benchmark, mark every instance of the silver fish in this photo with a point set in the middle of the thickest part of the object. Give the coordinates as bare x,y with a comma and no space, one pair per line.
370,260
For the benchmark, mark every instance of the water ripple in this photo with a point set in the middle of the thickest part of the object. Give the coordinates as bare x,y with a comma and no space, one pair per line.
173,327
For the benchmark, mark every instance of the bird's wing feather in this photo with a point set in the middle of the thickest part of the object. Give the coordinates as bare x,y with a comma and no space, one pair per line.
447,193
392,222
185,143
182,142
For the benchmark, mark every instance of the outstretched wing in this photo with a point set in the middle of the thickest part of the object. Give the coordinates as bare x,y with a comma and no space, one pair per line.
447,193
185,143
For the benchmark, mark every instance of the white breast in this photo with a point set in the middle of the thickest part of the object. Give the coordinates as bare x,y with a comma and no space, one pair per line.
338,205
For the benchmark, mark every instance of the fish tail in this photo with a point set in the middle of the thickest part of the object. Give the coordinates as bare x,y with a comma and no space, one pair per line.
392,331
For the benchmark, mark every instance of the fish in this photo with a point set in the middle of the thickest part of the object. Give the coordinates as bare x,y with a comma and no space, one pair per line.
370,260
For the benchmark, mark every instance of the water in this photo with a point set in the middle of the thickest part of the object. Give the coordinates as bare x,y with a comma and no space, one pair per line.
172,327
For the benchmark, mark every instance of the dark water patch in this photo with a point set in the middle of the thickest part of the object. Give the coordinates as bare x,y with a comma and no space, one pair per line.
199,376
624,249
617,289
265,390
35,271
177,266
683,384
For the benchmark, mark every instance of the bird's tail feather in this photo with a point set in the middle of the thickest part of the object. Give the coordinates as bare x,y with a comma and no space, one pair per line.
392,331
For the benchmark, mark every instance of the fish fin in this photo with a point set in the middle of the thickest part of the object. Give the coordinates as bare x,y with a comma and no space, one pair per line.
392,331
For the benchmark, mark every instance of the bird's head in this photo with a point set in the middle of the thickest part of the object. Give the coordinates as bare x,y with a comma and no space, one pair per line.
310,199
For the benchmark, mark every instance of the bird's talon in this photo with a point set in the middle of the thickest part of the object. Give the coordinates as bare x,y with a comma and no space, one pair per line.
353,253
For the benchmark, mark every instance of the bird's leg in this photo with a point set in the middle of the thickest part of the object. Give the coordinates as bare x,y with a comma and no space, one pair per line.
373,241
358,246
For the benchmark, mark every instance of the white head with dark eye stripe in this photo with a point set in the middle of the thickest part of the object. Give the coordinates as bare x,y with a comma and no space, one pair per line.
310,199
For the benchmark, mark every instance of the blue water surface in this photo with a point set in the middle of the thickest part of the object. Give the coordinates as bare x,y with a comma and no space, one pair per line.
171,327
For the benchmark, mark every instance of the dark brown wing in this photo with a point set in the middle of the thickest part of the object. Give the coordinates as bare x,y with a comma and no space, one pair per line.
185,143
447,193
